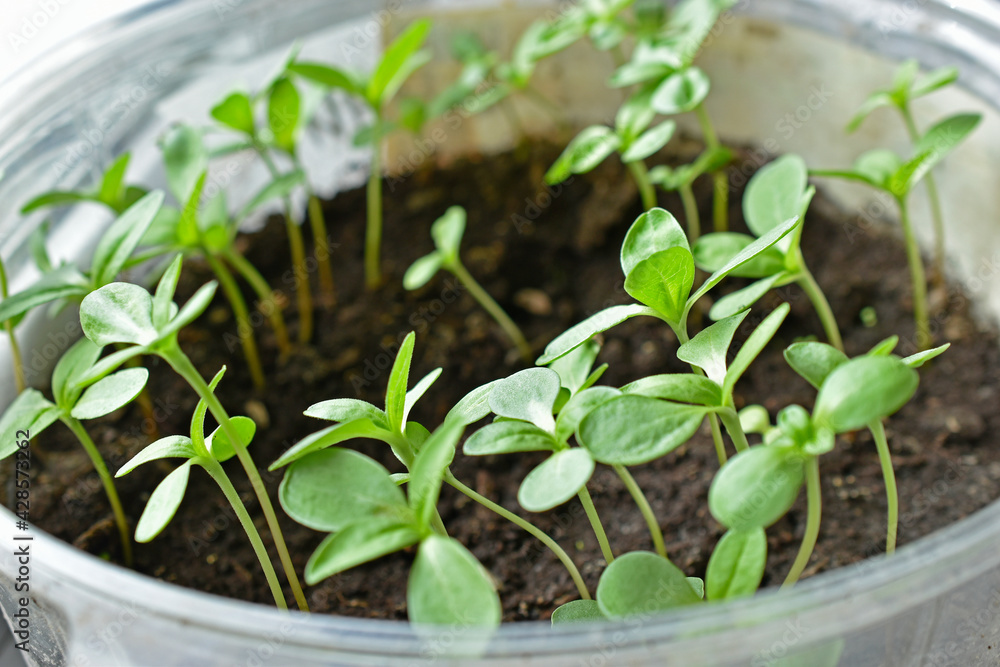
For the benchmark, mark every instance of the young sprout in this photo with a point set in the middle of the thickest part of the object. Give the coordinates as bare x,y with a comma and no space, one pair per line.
359,419
631,137
112,192
815,361
885,171
209,452
777,192
144,324
906,88
757,486
75,400
663,65
401,59
682,178
356,500
447,233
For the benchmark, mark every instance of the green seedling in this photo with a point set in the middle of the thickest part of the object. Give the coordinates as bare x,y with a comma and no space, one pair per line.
401,59
663,66
112,192
359,419
209,452
815,362
75,400
357,501
906,88
447,233
777,192
632,138
887,172
681,179
757,486
203,227
143,324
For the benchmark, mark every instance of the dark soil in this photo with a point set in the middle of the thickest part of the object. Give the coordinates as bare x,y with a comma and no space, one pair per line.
550,258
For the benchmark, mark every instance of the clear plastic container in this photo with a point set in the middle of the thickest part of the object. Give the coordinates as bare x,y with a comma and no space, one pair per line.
777,64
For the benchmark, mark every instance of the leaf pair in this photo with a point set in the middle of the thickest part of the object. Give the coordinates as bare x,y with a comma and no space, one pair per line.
631,137
360,419
777,192
904,89
198,450
659,270
447,233
114,250
355,498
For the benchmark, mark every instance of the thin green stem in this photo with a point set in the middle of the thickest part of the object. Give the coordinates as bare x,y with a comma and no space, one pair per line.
731,420
297,245
321,245
595,523
646,190
265,295
492,307
179,361
815,509
528,527
244,329
15,349
812,289
373,234
917,277
643,504
107,481
690,212
720,206
215,471
720,446
889,475
937,217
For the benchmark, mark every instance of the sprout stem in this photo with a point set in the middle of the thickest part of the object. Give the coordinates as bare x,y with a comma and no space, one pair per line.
179,361
641,176
244,330
491,307
917,277
373,234
595,523
812,289
720,208
935,201
215,471
720,446
731,420
690,212
527,526
889,475
267,303
107,481
321,246
15,350
643,504
815,501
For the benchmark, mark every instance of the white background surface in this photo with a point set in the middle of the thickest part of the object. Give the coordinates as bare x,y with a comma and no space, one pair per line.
28,28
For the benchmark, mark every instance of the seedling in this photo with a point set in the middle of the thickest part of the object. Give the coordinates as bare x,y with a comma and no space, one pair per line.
631,138
904,90
209,453
127,315
401,59
885,171
682,178
777,192
447,233
75,400
112,192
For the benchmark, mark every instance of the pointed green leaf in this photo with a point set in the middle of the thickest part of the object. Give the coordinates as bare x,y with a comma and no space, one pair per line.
235,112
753,346
174,446
395,395
221,447
333,435
358,543
422,270
875,101
418,390
118,313
163,504
663,282
578,611
163,300
933,147
631,430
756,487
933,81
473,406
447,232
556,480
677,387
185,158
528,395
654,231
920,358
641,582
65,282
427,471
742,299
329,77
400,60
191,310
814,361
448,586
112,191
347,410
650,142
884,348
574,368
121,239
681,91
54,198
580,333
30,412
333,488
507,437
709,348
862,390
737,565
107,395
587,150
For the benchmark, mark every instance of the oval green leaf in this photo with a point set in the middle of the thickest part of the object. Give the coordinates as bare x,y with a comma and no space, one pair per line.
556,480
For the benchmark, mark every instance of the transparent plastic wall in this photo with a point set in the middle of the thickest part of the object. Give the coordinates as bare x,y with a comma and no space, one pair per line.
787,74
